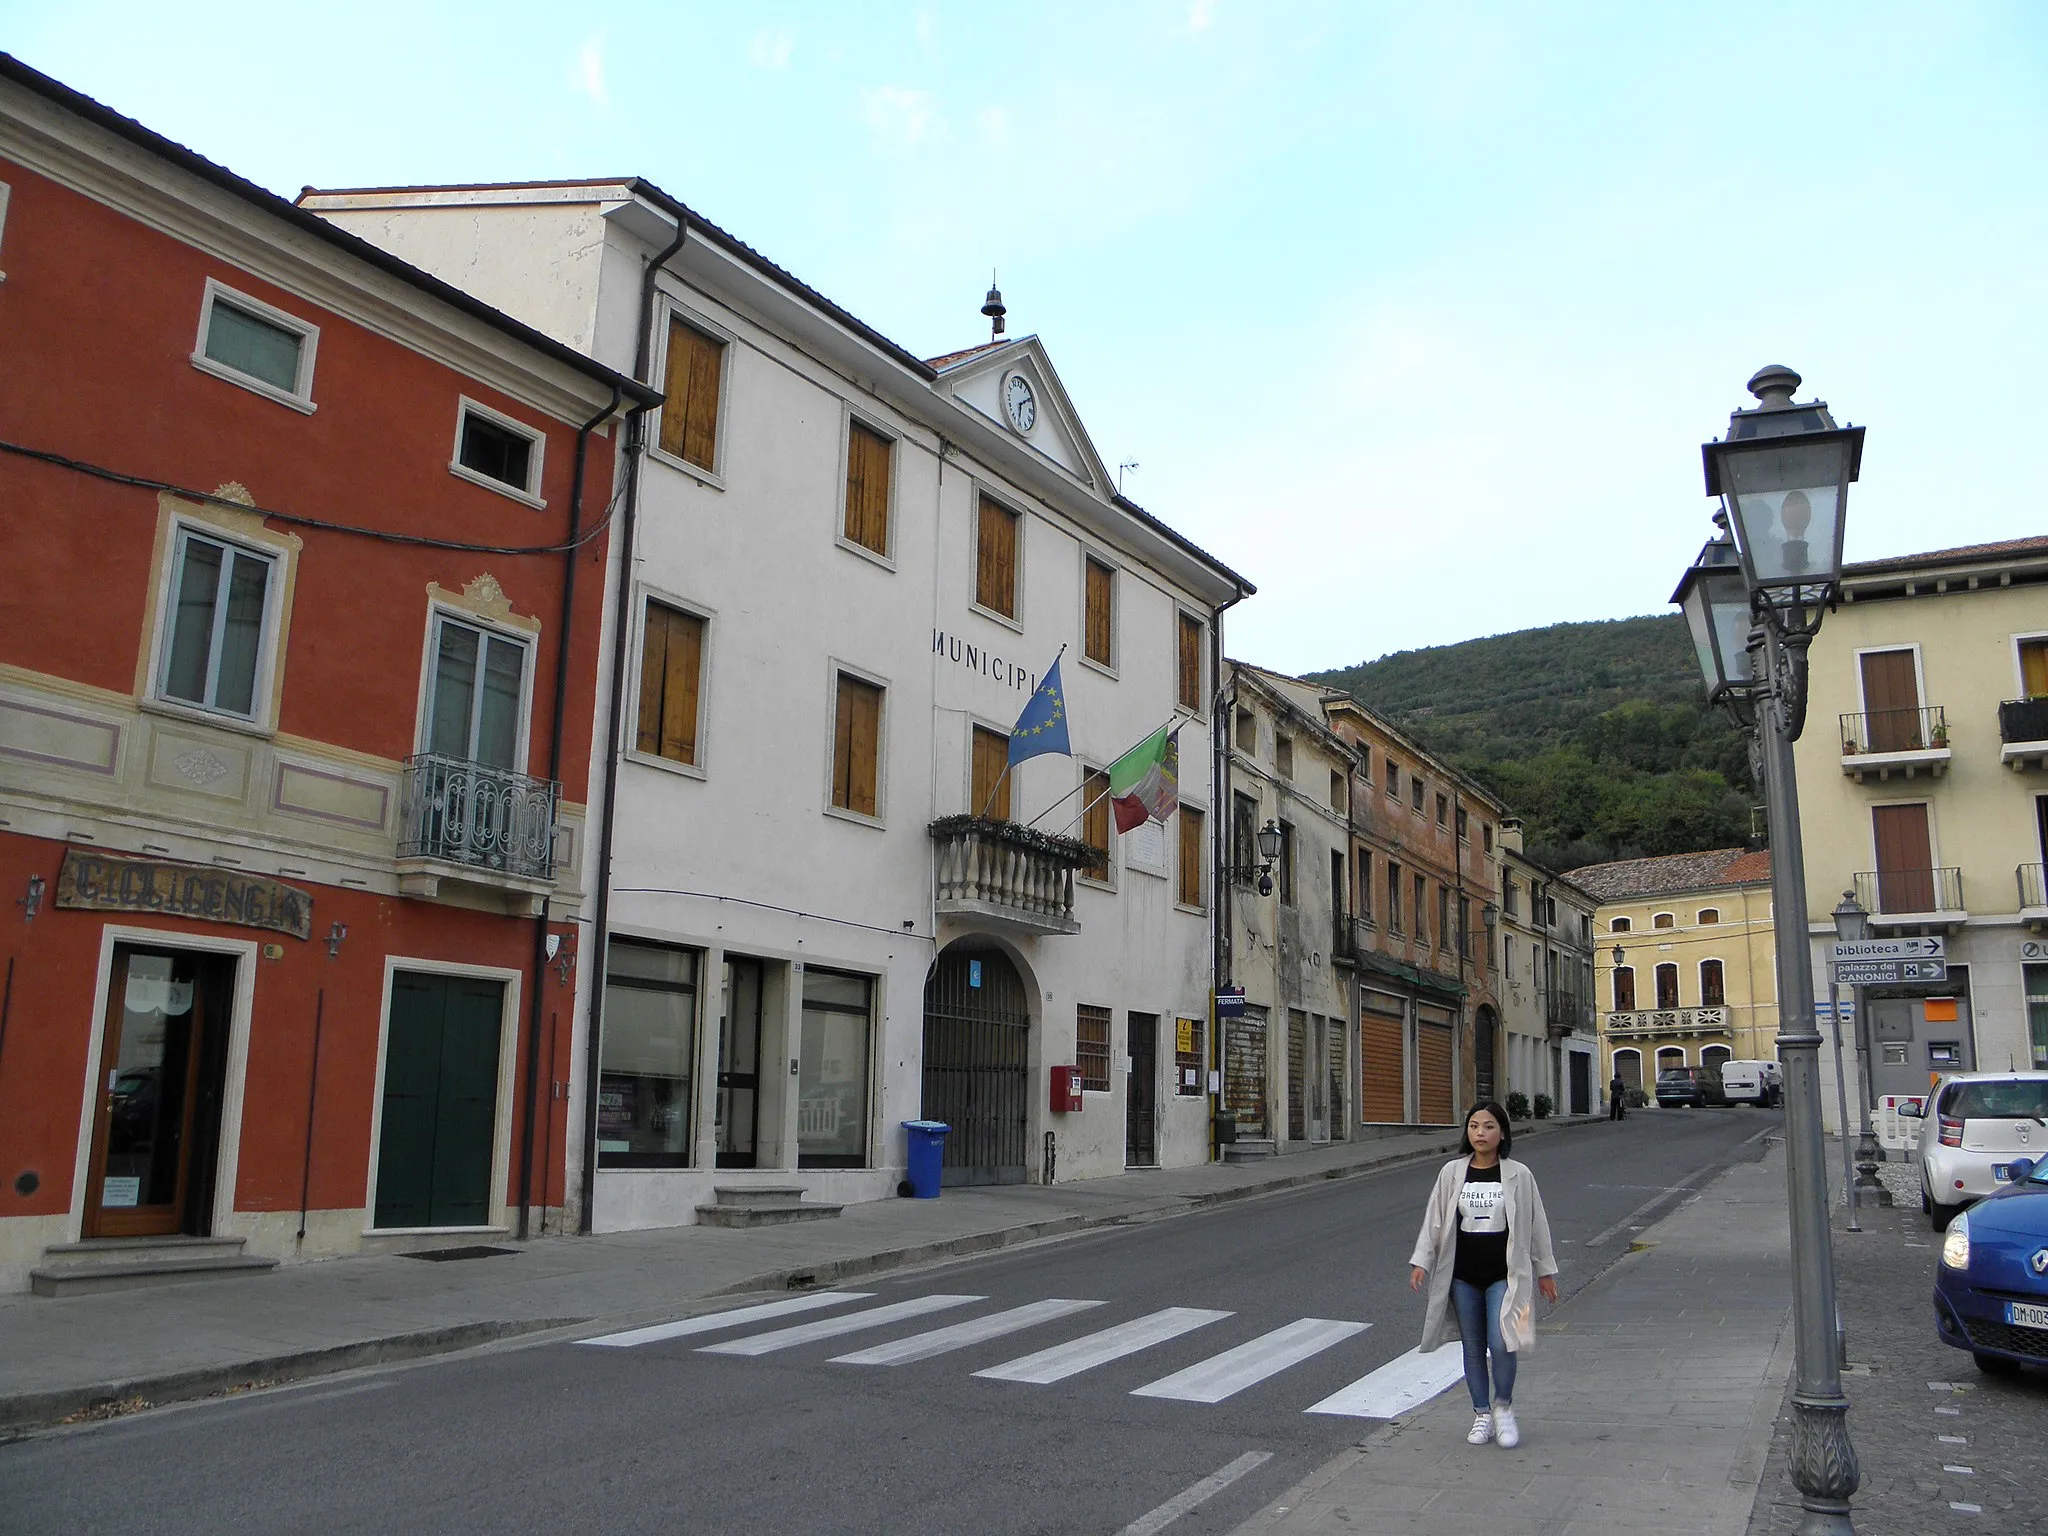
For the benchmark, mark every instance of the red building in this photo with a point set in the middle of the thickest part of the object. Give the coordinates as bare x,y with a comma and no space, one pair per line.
297,666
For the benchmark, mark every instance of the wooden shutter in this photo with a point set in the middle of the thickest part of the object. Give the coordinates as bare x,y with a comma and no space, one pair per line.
991,784
1905,858
1194,856
1189,671
671,662
995,571
867,488
1891,700
1625,989
1095,641
694,375
856,744
1095,820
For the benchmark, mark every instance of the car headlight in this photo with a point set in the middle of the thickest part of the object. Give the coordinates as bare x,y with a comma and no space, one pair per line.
1955,1248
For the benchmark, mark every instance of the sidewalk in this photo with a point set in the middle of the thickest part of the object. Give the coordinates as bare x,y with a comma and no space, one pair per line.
110,1351
1646,1407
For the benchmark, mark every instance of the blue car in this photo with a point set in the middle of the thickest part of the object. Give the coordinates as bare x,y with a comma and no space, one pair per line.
1991,1286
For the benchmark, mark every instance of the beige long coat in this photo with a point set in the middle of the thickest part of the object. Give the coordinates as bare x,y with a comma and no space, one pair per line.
1529,1254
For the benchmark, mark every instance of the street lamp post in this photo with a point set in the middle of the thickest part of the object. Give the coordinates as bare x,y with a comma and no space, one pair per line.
1782,474
1852,921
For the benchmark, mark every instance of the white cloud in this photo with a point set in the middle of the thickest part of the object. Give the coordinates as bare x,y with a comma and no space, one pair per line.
771,48
588,75
900,114
1200,14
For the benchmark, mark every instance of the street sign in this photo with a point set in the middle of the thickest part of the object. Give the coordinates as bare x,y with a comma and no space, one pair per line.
1886,973
1935,948
1230,1002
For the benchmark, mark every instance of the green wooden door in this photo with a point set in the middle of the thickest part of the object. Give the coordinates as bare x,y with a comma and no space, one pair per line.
440,1102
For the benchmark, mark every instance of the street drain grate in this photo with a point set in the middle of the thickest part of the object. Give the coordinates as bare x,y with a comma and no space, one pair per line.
443,1255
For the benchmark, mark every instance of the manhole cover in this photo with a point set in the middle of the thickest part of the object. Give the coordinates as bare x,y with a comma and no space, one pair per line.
443,1255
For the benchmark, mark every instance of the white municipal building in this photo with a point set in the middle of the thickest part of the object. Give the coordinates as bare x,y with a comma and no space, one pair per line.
839,572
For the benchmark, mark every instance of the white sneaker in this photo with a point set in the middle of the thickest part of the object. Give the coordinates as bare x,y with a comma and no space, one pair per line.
1481,1431
1505,1430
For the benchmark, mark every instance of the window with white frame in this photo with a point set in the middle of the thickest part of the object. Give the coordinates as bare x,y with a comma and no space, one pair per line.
476,694
495,451
217,626
256,345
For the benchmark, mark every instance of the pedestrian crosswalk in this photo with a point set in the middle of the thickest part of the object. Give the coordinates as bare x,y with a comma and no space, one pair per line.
1393,1388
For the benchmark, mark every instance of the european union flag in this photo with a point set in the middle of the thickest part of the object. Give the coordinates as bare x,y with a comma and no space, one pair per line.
1042,727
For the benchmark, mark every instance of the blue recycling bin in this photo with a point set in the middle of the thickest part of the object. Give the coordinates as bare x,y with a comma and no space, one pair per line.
927,1150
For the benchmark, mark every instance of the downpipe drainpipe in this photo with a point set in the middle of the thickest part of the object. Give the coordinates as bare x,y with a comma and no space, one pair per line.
540,926
635,460
1221,707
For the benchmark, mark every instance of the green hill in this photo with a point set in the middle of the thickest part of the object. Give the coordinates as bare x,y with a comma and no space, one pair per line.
1597,735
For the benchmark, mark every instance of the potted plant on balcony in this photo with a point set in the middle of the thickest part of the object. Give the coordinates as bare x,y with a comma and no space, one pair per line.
1939,737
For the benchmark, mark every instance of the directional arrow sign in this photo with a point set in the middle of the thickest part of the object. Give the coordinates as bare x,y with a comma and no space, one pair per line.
1883,973
1889,949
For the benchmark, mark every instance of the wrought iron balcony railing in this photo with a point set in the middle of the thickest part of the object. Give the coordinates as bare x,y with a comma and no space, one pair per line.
484,818
1565,1012
1881,742
1007,874
1910,892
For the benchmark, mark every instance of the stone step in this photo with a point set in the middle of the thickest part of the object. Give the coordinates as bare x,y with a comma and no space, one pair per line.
758,1194
763,1214
1247,1151
125,1263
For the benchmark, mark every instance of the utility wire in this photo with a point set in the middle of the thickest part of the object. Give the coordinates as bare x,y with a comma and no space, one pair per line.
294,520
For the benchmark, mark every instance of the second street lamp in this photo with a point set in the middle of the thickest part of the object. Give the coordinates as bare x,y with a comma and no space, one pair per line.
1782,474
1852,922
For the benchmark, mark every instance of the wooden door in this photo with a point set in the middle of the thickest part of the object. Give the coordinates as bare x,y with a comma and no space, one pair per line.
1141,1094
1382,1067
1891,701
146,1139
1905,858
440,1110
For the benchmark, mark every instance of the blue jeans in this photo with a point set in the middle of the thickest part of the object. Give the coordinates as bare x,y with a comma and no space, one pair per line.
1479,1327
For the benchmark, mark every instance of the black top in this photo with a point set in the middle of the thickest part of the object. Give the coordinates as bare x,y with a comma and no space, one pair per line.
1482,1228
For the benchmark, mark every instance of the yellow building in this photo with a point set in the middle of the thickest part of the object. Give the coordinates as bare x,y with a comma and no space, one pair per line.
1923,786
1684,969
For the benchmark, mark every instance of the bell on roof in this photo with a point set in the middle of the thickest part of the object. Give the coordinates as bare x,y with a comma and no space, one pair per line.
992,306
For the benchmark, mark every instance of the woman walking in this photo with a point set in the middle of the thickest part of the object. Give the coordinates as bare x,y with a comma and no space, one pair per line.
1484,1246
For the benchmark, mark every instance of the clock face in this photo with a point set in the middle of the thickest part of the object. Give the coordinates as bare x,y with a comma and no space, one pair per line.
1020,402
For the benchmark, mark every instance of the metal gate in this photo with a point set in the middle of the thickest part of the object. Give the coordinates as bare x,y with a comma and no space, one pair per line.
977,1066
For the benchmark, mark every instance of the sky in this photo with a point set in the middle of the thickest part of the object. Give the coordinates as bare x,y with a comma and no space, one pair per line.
1416,315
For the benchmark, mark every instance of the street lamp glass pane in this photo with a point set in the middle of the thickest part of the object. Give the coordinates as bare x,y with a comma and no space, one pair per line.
1787,499
1716,606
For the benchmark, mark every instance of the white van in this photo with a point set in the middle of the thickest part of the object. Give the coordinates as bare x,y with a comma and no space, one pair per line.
1753,1082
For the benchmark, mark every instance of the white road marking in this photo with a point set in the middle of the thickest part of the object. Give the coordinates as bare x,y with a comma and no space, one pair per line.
1195,1494
922,1346
712,1321
1953,1439
1405,1382
1966,1509
1231,1372
1084,1354
1954,1413
832,1327
1949,1466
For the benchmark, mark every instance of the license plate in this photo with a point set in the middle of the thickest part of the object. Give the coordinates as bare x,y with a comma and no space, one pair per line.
2002,1172
2025,1315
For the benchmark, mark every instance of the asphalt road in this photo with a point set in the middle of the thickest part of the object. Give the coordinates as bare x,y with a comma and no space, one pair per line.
565,1437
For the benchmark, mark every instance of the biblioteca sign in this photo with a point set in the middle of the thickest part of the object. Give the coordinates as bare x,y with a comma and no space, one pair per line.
98,882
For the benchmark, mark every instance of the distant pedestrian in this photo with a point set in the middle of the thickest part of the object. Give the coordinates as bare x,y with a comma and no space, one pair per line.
1617,1099
1483,1248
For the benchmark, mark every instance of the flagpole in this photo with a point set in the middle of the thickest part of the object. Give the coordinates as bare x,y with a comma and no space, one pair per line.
994,790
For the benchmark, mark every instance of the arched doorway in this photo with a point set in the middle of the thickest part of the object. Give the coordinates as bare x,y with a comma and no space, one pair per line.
1715,1056
1485,1029
1628,1066
977,1064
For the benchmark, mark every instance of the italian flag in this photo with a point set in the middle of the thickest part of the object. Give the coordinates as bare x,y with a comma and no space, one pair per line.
1144,784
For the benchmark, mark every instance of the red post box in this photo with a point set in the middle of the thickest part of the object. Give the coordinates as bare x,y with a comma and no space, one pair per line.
1066,1090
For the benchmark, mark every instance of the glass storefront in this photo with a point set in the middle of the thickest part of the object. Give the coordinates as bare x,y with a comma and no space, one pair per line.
2037,1013
650,1044
832,1078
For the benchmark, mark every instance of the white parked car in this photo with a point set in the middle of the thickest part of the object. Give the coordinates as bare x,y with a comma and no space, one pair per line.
1975,1125
1761,1083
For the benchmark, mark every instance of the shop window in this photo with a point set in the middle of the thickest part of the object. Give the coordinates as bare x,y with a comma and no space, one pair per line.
648,1056
832,1071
